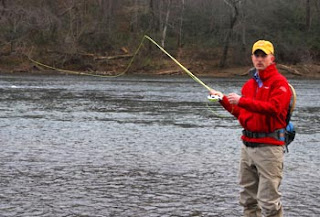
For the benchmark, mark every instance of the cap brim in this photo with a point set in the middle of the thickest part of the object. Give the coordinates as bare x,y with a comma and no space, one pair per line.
263,50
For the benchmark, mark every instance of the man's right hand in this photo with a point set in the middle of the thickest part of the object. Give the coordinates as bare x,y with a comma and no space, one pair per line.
216,93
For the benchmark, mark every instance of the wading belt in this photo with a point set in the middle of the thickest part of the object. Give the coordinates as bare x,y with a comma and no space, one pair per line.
278,134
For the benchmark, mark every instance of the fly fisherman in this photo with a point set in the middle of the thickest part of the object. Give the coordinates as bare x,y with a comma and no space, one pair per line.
261,110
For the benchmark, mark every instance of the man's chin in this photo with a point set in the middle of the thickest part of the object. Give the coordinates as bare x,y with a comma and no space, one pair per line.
260,68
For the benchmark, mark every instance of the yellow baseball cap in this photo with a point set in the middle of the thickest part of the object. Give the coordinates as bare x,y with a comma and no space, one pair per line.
265,46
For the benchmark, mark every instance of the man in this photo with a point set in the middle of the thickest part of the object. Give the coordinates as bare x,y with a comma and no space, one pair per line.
261,110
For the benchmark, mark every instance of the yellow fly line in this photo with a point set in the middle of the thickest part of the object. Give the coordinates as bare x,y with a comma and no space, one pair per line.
89,74
129,65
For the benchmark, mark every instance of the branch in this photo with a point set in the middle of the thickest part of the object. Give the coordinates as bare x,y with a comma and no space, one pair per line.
288,69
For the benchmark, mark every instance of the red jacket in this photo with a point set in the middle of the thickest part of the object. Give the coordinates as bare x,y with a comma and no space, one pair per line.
262,109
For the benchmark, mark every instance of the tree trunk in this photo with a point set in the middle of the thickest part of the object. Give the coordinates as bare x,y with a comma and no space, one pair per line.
135,24
308,16
4,6
107,7
152,17
180,24
164,32
160,15
233,20
243,33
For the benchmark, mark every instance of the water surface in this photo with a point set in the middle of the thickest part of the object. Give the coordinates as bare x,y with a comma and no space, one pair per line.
137,146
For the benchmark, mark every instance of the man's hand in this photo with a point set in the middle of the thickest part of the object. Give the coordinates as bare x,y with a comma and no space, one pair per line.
233,98
217,93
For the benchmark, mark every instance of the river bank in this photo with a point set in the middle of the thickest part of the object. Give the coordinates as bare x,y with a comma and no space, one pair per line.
154,66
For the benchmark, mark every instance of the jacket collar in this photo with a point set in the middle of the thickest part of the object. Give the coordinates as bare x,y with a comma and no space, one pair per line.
268,72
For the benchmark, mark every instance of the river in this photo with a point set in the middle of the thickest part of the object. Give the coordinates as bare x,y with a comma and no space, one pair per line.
138,146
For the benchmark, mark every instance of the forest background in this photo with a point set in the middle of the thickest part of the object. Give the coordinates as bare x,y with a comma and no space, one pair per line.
209,37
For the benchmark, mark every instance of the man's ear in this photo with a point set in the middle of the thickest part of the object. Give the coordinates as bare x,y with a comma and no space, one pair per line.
273,58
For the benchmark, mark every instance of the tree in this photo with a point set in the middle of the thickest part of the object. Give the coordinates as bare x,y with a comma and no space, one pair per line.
233,19
308,16
180,24
165,25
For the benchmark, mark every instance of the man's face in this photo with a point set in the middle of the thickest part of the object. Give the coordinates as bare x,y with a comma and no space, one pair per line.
261,60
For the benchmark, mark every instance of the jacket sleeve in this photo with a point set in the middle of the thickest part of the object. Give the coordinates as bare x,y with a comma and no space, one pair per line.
233,109
279,99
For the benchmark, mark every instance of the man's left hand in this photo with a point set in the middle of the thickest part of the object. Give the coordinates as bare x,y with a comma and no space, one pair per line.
233,98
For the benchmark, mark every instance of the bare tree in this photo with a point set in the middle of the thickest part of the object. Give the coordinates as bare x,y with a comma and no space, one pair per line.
4,6
165,26
234,16
181,23
243,32
135,19
308,16
107,25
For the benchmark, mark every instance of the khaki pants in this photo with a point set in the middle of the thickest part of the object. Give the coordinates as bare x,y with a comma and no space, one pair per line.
260,177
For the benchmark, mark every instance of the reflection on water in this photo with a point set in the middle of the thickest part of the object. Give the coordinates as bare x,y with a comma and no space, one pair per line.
137,146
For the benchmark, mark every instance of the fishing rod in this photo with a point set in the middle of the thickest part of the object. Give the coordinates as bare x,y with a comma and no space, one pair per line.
212,98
